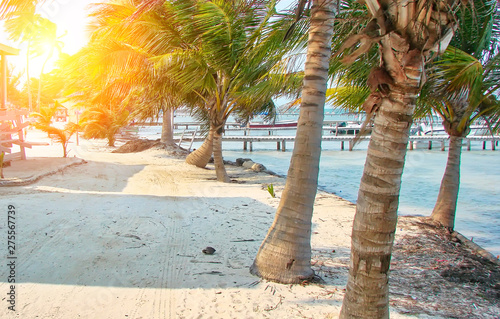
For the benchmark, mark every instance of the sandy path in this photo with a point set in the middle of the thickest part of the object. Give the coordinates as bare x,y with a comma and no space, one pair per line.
121,237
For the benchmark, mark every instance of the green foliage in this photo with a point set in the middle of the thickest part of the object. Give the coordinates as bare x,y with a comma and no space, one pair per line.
102,122
13,80
44,117
215,57
270,189
479,24
61,136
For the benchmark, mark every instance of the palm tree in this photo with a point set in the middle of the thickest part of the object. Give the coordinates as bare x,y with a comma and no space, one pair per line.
9,6
455,90
224,64
13,80
155,95
22,26
61,136
460,88
46,38
119,71
285,254
460,98
104,121
45,115
407,34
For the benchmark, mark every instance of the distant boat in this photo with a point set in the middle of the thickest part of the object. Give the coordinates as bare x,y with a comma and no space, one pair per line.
275,125
475,130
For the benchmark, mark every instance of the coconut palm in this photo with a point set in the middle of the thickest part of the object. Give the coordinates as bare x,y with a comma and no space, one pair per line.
224,64
461,90
285,254
460,98
237,60
46,38
13,81
22,26
10,6
104,121
44,117
61,136
407,33
115,68
456,91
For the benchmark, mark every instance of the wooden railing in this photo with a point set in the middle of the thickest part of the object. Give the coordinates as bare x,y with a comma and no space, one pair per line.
11,133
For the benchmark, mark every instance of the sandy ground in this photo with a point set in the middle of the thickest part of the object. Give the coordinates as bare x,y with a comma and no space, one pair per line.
121,236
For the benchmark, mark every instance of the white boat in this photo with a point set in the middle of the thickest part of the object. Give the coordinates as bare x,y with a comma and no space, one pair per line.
438,129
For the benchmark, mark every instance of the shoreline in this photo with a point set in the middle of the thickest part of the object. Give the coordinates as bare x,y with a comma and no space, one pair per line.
455,234
122,234
477,217
72,161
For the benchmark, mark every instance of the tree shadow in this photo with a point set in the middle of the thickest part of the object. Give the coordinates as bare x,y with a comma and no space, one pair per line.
94,234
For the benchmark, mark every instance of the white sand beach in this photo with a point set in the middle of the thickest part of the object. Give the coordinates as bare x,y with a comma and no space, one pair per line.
121,236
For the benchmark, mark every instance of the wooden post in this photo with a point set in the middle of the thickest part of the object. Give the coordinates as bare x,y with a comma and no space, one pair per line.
430,145
341,145
192,140
245,142
484,145
468,145
283,146
4,51
278,146
492,145
411,145
251,146
350,145
20,134
443,147
182,137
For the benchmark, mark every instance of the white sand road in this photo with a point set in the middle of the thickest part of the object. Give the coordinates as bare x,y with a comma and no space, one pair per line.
121,237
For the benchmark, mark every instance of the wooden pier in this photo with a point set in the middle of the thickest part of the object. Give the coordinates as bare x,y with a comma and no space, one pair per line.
428,141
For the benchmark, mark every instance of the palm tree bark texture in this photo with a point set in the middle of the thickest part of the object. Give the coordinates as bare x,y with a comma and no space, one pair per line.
446,204
403,48
285,254
167,129
201,156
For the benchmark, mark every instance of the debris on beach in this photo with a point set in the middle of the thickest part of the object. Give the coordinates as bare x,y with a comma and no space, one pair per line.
140,145
209,250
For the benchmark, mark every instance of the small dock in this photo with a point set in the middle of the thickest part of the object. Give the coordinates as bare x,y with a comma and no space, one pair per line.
348,140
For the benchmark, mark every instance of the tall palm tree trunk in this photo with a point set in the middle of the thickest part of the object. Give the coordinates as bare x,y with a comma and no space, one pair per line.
285,254
167,128
446,204
111,138
40,79
378,198
201,156
28,81
220,169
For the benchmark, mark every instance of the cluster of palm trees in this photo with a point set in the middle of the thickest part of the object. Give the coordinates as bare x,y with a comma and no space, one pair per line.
147,58
41,37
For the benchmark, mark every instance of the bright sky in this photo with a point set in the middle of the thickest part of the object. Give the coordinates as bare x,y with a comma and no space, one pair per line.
71,17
